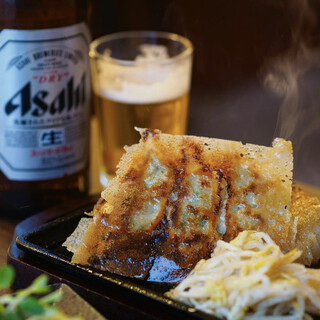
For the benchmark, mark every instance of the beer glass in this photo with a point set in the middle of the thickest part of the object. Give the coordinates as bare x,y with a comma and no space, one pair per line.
140,79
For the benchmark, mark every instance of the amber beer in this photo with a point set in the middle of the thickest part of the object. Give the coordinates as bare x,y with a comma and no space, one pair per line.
44,104
117,120
140,79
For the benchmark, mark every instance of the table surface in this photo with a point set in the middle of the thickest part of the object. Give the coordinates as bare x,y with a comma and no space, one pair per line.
7,226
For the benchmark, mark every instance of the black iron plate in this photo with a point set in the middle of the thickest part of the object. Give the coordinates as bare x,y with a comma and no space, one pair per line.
45,243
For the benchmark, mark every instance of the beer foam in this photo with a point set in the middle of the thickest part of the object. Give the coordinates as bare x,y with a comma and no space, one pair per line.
152,52
143,84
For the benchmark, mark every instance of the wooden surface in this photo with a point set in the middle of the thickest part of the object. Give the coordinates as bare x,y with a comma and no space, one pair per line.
6,235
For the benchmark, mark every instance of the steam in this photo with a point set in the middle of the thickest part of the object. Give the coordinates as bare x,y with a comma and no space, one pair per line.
284,75
297,117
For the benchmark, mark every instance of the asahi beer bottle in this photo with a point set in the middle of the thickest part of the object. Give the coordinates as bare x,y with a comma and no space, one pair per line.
44,104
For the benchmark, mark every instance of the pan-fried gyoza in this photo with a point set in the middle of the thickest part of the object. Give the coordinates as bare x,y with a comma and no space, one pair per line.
174,197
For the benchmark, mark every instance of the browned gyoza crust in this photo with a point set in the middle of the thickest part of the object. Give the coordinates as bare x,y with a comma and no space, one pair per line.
305,211
175,196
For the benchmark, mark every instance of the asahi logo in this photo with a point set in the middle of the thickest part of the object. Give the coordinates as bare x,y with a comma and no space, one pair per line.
38,105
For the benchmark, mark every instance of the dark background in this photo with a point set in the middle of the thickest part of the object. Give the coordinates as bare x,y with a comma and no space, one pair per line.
238,45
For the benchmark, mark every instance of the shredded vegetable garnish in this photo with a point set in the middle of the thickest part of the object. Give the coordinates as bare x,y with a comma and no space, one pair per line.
250,278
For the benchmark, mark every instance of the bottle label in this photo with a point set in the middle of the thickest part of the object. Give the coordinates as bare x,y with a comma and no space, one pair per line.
44,102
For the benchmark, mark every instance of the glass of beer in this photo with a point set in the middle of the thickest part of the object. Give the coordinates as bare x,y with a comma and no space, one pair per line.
140,79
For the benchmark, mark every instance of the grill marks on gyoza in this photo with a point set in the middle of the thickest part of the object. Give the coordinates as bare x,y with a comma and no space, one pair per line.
169,226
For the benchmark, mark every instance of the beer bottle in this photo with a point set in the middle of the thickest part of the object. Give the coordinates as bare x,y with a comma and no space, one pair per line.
44,104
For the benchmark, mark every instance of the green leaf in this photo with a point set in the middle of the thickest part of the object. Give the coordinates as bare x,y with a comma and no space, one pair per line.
30,306
38,286
2,311
52,297
6,299
40,283
6,276
12,315
22,305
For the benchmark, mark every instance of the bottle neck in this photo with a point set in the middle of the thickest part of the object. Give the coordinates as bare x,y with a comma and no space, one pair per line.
37,14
